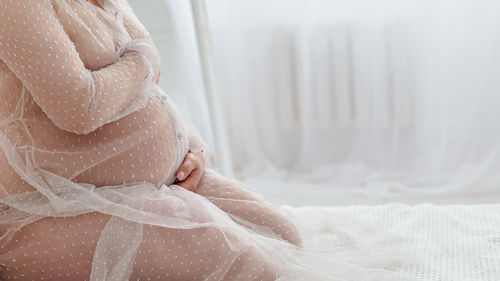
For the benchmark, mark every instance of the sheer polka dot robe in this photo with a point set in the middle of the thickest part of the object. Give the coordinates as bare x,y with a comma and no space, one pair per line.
89,150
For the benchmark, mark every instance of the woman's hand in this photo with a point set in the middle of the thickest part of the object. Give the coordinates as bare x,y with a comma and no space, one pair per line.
191,170
158,77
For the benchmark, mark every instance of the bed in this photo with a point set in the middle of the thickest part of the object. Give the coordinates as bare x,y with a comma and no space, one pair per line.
445,242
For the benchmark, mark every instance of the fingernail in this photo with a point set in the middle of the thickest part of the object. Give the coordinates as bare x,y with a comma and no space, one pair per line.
180,175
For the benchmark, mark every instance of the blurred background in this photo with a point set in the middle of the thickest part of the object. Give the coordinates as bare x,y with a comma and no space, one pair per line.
329,102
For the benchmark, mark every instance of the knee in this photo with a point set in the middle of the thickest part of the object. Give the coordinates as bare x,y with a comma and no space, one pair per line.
280,224
252,264
287,229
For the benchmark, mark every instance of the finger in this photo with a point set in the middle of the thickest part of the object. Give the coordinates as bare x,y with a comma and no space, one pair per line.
191,182
157,80
186,168
201,157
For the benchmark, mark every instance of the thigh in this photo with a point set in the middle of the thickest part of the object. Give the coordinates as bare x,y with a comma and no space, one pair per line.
207,253
63,249
53,248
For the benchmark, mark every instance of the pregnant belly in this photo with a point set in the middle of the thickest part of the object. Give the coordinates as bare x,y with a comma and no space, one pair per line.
142,146
139,147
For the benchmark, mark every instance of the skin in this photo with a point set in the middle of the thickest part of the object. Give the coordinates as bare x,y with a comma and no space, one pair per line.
95,3
191,170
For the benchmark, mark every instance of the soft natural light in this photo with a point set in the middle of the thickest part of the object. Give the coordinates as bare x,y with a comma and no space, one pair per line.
250,140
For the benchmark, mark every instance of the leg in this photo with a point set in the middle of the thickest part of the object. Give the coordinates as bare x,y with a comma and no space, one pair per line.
232,197
61,249
198,254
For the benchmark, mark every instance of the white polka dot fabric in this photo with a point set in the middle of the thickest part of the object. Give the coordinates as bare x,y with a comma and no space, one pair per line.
89,150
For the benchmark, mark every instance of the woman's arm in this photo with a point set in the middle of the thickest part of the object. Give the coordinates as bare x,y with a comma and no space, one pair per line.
136,30
130,21
193,167
35,47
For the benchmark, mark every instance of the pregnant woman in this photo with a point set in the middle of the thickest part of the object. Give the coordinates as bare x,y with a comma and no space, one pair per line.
90,149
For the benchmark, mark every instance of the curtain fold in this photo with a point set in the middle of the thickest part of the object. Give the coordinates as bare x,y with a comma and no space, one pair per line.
402,94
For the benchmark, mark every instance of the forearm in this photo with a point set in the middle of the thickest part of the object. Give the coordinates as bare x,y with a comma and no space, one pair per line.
114,87
45,59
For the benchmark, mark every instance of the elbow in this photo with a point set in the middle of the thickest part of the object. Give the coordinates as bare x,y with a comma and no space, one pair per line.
85,122
82,117
75,119
73,109
81,126
84,128
80,122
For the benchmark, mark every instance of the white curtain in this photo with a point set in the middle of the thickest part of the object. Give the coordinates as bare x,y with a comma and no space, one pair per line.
398,95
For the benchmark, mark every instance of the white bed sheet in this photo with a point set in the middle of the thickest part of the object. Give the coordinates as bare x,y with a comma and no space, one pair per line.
446,243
